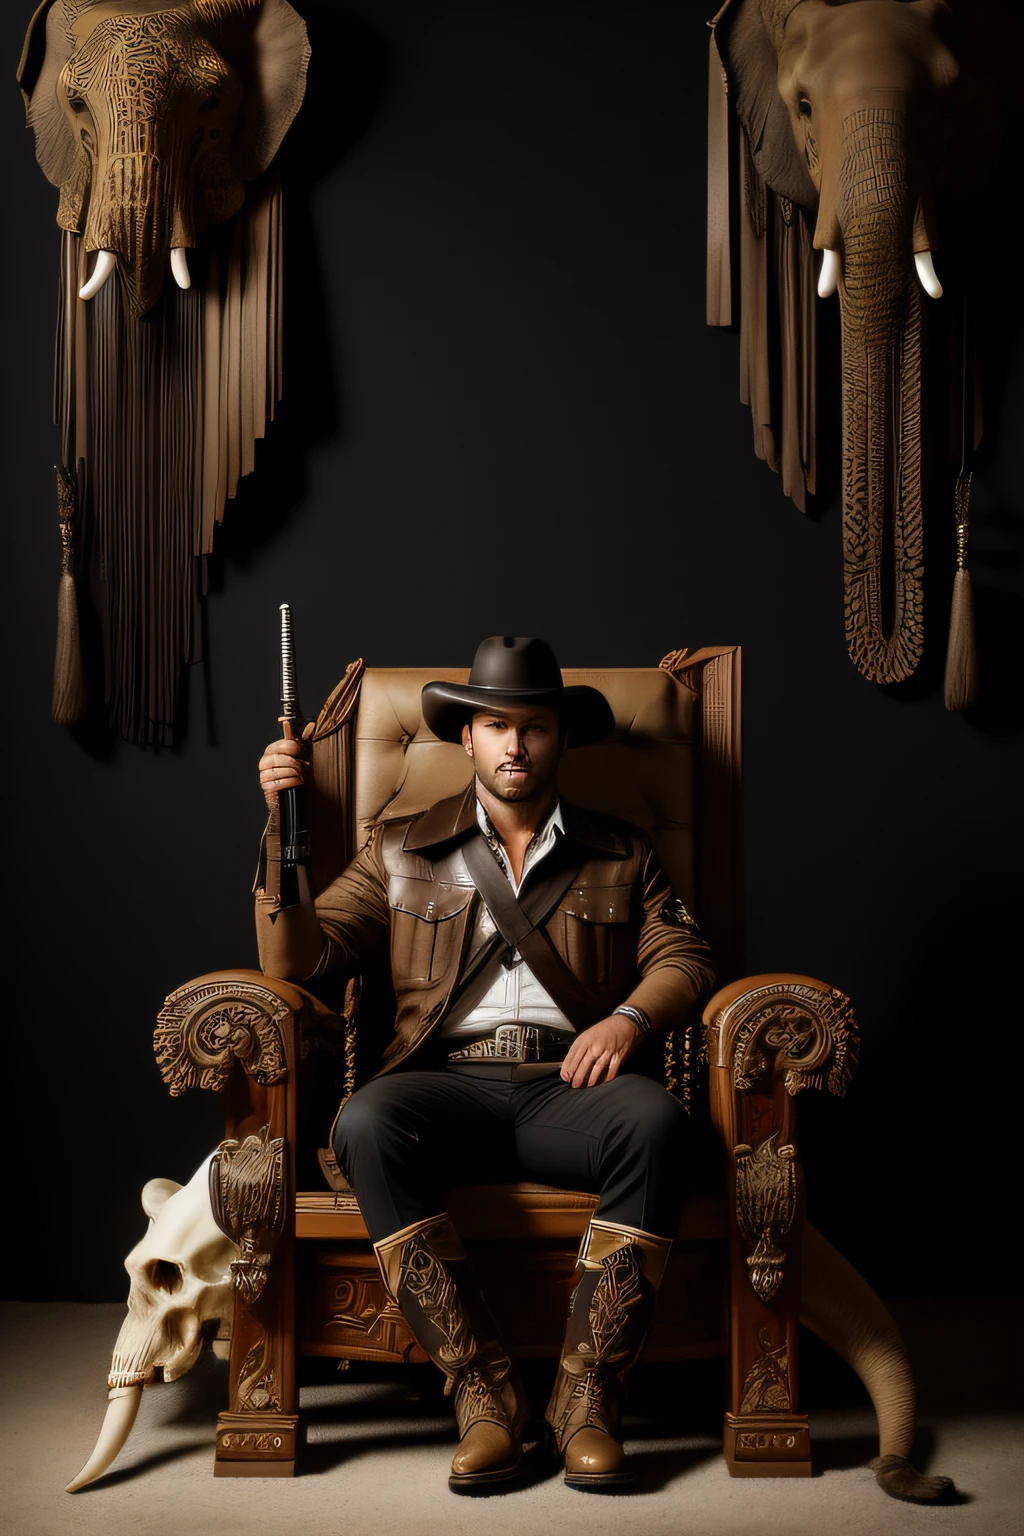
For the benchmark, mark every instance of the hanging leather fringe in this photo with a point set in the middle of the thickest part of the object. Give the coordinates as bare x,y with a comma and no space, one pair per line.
794,284
164,412
778,340
68,672
719,274
755,360
961,685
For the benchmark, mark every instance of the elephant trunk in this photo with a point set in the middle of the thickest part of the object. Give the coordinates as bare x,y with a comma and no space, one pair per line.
840,1307
140,208
117,1426
881,365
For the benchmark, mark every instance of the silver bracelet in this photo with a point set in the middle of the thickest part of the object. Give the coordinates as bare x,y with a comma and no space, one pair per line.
636,1016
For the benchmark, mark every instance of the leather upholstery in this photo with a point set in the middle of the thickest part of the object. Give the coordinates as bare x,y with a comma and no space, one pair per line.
643,773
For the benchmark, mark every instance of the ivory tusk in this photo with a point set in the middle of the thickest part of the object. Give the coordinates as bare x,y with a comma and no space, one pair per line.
828,277
106,261
179,266
117,1426
927,275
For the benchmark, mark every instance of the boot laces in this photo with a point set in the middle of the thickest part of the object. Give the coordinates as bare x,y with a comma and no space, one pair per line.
478,1395
590,1396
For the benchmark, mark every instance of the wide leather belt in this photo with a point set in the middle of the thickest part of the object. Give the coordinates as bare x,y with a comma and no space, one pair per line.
515,1044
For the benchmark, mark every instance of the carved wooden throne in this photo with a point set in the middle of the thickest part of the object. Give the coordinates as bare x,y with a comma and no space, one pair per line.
306,1278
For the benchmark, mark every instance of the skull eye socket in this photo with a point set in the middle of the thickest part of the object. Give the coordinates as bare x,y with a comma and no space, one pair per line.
164,1276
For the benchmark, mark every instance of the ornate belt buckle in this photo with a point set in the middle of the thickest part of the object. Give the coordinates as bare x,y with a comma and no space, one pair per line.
517,1042
508,1042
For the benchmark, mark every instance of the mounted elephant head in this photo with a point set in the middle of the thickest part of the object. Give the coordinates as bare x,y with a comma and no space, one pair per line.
149,116
182,1292
157,120
844,127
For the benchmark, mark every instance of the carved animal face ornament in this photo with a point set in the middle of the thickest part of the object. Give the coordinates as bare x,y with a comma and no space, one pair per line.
841,150
157,121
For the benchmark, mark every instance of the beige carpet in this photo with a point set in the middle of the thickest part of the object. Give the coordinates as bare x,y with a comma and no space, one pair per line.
379,1447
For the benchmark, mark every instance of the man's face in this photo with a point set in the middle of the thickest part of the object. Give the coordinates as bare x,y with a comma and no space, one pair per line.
516,752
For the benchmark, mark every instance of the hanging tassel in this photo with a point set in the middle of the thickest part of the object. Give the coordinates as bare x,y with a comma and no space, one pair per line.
961,688
68,672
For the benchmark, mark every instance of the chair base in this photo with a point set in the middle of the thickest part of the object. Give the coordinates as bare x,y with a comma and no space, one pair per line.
254,1469
767,1445
256,1445
768,1468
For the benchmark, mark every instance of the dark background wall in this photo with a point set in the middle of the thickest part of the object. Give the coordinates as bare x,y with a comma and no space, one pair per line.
504,413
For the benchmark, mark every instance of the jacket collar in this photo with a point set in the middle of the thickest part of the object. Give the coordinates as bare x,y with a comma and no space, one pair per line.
444,821
455,818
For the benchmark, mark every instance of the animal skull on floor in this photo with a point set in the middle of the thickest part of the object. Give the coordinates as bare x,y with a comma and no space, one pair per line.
182,1291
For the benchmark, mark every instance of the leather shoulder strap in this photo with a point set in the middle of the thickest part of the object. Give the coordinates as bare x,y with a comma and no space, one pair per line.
521,926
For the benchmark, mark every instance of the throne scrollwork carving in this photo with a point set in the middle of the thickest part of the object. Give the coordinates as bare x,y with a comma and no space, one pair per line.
806,1034
205,1027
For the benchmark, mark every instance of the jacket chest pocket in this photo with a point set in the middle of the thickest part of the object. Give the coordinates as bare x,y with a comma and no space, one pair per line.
426,931
600,944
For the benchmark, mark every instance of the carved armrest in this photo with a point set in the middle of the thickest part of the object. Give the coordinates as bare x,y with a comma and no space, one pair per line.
785,1025
765,1039
234,1016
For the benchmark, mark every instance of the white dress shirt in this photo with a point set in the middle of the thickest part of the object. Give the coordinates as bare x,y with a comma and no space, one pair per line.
511,993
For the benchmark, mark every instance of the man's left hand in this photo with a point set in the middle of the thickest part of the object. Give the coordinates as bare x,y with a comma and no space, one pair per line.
597,1054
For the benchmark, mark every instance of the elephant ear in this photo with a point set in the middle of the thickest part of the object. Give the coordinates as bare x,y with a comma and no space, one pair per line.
48,46
750,60
777,309
266,41
33,51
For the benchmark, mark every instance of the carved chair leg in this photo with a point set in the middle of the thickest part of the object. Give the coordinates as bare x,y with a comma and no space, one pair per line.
765,1433
237,1032
766,1038
252,1199
258,1436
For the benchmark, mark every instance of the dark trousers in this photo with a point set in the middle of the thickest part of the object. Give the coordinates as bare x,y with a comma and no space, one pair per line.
405,1137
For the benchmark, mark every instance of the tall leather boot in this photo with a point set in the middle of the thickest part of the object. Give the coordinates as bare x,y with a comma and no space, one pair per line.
425,1270
609,1315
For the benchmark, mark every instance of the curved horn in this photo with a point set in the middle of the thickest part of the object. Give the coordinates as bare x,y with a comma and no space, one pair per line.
106,261
179,267
927,274
117,1426
828,277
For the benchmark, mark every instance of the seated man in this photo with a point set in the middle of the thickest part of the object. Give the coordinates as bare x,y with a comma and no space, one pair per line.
532,947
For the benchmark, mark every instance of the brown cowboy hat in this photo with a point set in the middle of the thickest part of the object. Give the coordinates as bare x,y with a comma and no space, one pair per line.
515,670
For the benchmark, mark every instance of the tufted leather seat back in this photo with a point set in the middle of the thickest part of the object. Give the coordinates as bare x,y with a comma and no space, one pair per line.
644,773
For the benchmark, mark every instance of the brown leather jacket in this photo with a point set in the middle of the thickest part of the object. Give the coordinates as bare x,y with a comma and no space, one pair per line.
408,898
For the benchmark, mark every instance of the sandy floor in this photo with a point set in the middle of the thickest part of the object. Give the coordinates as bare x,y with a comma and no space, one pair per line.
379,1445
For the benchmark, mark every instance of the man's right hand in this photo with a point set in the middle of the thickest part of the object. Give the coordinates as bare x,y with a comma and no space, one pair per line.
280,768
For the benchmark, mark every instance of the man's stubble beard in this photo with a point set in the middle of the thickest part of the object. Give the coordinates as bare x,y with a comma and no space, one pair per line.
515,794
